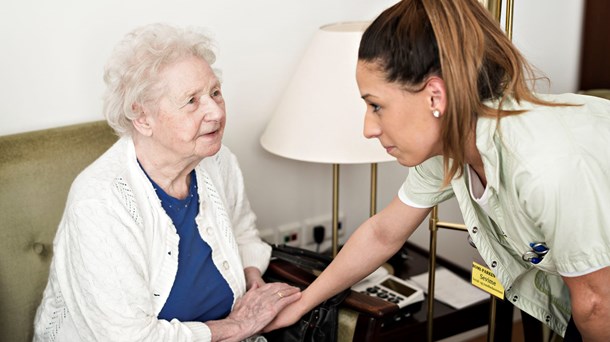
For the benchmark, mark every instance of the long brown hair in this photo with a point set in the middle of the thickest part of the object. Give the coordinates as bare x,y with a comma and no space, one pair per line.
459,41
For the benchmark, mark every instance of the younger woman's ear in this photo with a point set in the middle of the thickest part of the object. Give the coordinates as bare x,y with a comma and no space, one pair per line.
437,93
141,124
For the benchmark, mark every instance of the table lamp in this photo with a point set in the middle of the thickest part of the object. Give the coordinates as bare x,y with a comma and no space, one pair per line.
320,117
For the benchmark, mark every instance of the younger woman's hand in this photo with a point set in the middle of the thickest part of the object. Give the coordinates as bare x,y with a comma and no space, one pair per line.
290,315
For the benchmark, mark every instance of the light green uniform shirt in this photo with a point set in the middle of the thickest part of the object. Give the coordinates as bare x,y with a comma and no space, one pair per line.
548,174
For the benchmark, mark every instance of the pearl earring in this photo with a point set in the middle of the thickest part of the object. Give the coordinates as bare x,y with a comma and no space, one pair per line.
436,113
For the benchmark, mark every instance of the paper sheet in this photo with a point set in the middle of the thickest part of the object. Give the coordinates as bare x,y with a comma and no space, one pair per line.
451,289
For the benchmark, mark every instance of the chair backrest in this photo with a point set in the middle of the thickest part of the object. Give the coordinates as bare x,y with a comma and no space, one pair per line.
36,171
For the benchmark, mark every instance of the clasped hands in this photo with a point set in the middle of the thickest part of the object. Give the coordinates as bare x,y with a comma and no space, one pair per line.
255,309
289,313
261,304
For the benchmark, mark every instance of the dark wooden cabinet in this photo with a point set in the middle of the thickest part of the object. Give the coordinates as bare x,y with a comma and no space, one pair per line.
382,321
447,320
595,53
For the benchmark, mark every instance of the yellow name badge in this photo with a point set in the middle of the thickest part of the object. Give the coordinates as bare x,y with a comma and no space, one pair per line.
485,279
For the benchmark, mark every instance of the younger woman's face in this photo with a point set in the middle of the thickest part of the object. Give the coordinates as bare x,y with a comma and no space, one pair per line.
401,120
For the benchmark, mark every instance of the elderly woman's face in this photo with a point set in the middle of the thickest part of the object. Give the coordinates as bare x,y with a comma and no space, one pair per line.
190,118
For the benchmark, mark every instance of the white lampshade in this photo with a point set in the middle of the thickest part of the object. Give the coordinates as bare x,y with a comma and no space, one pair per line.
320,117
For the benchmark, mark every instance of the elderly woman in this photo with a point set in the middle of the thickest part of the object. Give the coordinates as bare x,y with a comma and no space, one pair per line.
157,241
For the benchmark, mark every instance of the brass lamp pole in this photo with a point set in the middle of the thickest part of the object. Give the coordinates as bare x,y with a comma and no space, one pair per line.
335,214
373,206
335,204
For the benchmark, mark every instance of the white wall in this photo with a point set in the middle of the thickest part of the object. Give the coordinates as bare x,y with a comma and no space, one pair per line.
53,53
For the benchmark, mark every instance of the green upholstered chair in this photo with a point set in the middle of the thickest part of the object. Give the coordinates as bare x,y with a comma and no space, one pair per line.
36,171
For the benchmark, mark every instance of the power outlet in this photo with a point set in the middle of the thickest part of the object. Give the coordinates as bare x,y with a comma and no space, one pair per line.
327,222
290,234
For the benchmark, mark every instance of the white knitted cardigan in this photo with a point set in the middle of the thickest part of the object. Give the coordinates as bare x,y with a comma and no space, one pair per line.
116,251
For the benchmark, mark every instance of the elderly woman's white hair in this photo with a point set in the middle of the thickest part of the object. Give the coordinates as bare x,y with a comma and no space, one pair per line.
131,71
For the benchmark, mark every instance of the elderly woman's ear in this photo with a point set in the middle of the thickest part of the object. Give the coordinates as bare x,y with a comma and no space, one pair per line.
141,123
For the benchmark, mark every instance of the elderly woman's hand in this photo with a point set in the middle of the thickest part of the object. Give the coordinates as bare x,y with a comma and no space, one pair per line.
255,310
253,276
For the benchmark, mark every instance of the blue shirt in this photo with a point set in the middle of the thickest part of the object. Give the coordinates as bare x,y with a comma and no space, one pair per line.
199,293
